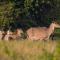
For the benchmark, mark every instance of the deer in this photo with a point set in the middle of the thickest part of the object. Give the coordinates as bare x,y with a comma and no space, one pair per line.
13,35
1,34
41,33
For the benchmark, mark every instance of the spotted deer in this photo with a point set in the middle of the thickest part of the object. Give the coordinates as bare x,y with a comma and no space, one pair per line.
41,33
13,35
1,34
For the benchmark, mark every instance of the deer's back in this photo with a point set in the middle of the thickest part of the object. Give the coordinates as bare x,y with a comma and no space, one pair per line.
37,33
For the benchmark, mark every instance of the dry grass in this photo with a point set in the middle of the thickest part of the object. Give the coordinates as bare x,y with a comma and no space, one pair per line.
29,50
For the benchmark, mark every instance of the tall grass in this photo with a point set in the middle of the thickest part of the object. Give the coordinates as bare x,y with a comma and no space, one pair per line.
29,50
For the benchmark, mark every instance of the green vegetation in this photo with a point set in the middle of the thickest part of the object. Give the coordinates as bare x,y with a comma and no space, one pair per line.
29,50
30,13
36,12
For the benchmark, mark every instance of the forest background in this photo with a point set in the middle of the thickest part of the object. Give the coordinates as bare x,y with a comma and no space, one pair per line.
28,13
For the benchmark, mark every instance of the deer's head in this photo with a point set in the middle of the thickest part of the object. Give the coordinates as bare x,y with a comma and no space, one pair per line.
55,24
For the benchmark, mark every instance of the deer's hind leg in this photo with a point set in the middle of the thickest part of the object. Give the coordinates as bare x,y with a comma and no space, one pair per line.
46,38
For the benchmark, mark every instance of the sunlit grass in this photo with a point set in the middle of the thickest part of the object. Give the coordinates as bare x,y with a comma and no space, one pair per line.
29,50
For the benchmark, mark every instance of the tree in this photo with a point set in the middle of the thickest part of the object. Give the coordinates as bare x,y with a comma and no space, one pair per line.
6,13
37,12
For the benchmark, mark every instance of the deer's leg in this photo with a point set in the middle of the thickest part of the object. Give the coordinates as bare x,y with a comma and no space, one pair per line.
52,36
47,38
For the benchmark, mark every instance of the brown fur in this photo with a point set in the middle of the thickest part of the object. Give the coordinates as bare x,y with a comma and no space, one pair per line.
13,35
41,33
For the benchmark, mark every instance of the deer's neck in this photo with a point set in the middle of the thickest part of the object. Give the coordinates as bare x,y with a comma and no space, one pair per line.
50,29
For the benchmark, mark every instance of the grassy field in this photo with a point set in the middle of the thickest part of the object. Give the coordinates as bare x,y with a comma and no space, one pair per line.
30,50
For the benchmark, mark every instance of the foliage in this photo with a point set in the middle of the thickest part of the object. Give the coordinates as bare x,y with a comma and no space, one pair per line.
6,13
39,11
